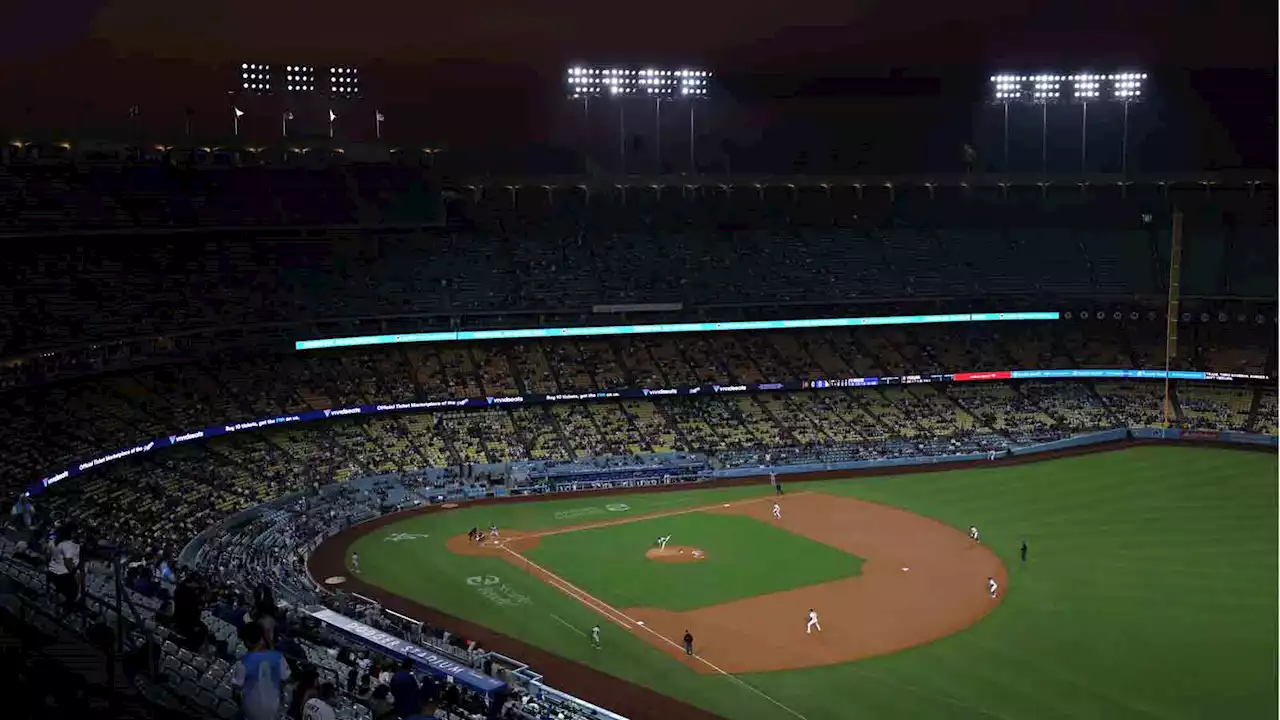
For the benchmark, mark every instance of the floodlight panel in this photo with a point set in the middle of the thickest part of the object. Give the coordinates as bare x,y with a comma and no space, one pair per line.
300,78
255,77
648,81
1080,87
344,80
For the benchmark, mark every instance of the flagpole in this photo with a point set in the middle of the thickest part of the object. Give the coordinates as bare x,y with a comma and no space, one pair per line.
377,125
235,125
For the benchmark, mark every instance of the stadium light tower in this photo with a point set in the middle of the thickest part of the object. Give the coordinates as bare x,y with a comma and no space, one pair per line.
660,84
1047,89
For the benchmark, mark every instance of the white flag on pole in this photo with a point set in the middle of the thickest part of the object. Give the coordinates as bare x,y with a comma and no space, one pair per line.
239,112
332,117
380,116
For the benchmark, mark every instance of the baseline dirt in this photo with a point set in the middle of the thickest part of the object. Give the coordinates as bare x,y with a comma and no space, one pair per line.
676,554
921,581
634,701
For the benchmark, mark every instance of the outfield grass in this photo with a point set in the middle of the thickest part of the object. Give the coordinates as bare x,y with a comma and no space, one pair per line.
1150,593
745,557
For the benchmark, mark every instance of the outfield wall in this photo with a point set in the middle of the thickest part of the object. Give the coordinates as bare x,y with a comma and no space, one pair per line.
1077,441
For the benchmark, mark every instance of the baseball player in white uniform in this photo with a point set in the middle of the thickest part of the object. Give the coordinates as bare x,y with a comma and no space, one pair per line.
662,542
813,622
993,587
355,562
595,636
973,533
777,511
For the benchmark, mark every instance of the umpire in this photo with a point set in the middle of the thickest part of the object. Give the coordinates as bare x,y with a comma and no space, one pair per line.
688,643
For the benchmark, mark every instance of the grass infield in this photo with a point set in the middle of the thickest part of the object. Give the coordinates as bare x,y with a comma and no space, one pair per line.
1149,592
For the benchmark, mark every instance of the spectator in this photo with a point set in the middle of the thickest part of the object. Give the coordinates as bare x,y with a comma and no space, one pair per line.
188,606
352,676
405,690
64,560
259,677
303,690
426,709
380,703
320,707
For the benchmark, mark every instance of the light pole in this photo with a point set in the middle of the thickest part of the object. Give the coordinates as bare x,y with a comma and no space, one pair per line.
1006,136
622,136
693,157
657,134
1124,142
1044,137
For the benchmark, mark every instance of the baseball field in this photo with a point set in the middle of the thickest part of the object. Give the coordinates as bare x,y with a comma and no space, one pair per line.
1149,590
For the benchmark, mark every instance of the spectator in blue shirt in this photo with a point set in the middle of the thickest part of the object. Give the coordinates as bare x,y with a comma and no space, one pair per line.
259,676
404,688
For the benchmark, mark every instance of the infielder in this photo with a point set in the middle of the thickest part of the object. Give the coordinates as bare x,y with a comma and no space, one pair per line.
355,562
595,636
662,542
993,587
973,533
813,622
777,511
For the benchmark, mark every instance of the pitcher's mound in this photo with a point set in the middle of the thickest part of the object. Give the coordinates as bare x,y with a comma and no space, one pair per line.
676,554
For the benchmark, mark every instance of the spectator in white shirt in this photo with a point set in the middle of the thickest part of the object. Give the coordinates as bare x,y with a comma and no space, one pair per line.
64,560
320,707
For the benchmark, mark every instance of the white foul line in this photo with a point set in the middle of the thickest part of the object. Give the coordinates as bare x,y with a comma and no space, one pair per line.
613,614
565,623
653,516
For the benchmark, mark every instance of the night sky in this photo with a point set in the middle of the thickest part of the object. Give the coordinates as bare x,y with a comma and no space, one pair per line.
858,84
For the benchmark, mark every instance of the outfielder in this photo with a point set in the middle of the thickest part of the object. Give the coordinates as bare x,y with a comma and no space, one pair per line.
777,511
993,587
973,533
595,636
813,622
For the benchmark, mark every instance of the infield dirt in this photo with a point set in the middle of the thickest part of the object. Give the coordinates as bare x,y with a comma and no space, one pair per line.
921,580
676,554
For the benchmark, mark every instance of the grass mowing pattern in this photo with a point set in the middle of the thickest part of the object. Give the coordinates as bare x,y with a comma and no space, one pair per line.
745,557
1150,593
